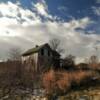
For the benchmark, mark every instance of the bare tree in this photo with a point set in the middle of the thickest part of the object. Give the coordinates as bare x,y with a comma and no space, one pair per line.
55,45
69,62
86,60
93,59
15,53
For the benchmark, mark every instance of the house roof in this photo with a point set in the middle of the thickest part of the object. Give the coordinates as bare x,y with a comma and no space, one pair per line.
37,48
32,50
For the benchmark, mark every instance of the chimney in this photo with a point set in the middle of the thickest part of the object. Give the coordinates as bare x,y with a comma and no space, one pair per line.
36,46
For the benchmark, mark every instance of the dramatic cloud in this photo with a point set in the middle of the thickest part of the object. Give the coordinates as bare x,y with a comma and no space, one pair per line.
98,1
96,10
42,9
24,28
62,8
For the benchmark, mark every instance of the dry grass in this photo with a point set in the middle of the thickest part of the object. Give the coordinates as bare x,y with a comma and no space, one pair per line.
14,73
49,81
9,73
61,81
53,81
79,76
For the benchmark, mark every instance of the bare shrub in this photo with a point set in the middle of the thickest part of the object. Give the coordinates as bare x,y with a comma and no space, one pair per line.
83,66
15,54
13,73
56,82
79,76
94,63
49,81
63,81
68,62
59,82
10,73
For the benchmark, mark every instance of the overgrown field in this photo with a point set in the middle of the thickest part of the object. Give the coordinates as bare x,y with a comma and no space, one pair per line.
63,84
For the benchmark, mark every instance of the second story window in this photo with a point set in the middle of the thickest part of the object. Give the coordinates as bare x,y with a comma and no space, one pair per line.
42,51
48,53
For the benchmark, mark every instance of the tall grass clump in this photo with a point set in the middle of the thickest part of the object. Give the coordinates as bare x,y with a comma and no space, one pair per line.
63,81
49,82
56,82
60,82
80,77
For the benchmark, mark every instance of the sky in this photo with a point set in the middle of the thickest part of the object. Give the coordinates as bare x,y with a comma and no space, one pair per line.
25,23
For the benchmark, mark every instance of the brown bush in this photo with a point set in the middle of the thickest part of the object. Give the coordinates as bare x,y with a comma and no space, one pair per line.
78,77
56,82
49,81
63,81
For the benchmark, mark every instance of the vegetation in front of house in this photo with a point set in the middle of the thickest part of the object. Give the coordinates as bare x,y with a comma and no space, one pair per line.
57,83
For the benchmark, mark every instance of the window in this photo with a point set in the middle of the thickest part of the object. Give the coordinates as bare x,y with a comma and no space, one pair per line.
42,52
48,53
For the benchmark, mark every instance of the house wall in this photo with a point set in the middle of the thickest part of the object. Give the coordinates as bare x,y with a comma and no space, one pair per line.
44,60
30,61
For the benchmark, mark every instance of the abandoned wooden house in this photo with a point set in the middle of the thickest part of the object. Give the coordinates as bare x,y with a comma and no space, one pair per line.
41,57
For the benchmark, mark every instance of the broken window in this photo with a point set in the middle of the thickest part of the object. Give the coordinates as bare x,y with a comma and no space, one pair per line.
42,51
48,53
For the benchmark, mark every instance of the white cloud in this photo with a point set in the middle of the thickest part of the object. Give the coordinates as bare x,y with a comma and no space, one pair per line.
96,10
98,1
62,8
42,9
25,28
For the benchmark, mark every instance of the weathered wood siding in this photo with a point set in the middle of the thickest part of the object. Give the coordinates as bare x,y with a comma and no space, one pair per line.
44,60
31,60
